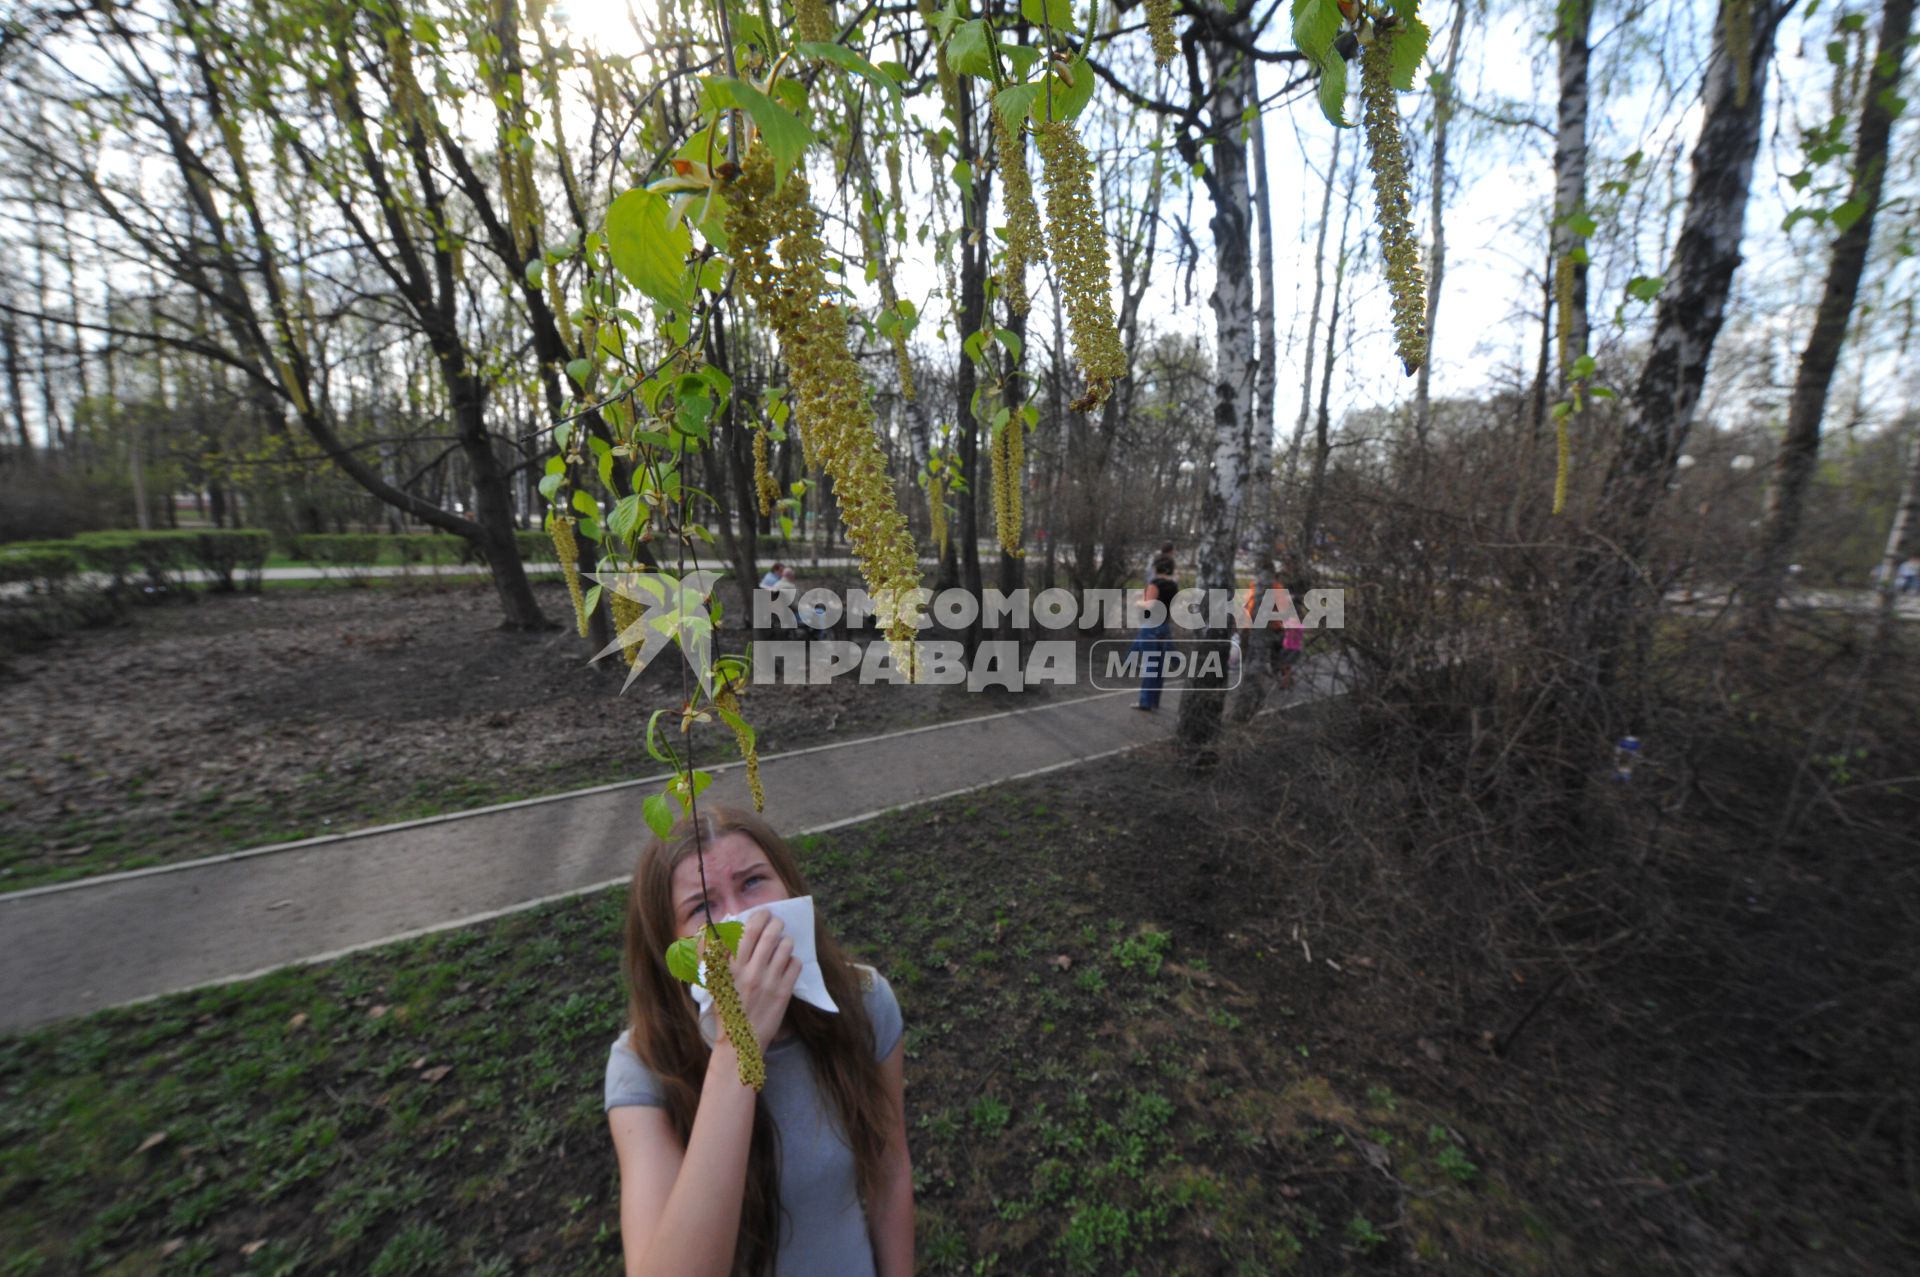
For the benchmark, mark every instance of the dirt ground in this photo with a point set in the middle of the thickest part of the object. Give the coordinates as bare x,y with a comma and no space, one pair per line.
233,721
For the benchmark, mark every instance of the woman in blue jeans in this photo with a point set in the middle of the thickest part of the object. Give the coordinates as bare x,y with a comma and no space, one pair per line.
1156,641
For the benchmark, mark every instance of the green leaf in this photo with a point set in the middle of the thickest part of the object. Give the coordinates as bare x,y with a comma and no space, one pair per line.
970,51
654,749
1333,88
848,60
683,955
624,520
1644,288
592,598
603,460
1048,13
1011,340
1020,57
584,503
1837,52
550,484
648,246
785,135
1582,368
658,813
581,370
1848,213
1602,392
1063,99
1582,224
536,272
1013,103
1408,49
1316,23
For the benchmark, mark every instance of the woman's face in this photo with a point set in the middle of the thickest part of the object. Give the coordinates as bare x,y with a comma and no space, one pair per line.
739,876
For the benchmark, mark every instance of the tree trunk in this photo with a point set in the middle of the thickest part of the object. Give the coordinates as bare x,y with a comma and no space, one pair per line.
975,251
1570,179
1660,412
1903,541
1800,449
1323,415
1313,313
1236,358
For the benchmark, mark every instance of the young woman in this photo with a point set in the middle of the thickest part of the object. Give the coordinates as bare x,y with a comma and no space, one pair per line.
809,1178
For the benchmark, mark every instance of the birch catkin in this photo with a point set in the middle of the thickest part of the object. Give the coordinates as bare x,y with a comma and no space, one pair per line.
1025,246
830,397
567,551
1079,248
732,1016
1387,157
1160,26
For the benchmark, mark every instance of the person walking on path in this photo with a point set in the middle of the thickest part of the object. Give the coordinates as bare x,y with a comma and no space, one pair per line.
1287,636
807,1175
1155,639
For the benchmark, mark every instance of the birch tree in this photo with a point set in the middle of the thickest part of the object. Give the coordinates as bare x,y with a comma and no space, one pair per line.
1794,464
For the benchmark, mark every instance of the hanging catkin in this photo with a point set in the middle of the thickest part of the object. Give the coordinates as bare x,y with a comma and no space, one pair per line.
830,398
1025,246
763,483
567,551
732,1016
1079,247
729,700
1387,157
1160,26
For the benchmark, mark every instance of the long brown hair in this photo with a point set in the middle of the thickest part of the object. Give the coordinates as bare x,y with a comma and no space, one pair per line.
666,1035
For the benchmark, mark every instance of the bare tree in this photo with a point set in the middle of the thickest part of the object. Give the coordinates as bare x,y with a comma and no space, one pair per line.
1793,465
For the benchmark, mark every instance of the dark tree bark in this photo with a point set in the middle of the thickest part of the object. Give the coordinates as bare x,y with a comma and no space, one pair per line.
1800,449
1609,617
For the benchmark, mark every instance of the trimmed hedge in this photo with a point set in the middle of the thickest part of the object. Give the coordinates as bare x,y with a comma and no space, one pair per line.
44,567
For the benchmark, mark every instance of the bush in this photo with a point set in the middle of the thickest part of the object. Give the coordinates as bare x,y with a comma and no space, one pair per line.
219,553
44,567
535,547
113,553
430,548
43,595
352,552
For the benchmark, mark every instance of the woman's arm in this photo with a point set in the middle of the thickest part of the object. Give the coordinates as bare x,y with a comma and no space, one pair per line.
680,1207
890,1215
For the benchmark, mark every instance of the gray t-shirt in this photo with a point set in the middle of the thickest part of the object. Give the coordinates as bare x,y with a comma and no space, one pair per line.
816,1163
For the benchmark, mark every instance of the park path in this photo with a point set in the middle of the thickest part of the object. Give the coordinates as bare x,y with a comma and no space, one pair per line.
72,948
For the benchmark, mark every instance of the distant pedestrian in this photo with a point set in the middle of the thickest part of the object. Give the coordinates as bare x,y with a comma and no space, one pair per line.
1907,580
1287,636
1154,642
771,581
1164,552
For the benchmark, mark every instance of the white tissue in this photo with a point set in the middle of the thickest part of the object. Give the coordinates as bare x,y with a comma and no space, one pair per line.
796,915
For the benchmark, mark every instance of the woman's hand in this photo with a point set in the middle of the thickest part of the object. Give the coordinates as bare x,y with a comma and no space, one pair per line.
764,973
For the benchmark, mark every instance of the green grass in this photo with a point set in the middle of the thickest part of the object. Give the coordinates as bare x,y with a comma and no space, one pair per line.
434,1106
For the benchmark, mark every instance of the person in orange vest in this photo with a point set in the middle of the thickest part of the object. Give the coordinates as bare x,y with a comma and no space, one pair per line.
1283,622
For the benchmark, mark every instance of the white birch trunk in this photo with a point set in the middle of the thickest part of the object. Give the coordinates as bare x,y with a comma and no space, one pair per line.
1235,367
